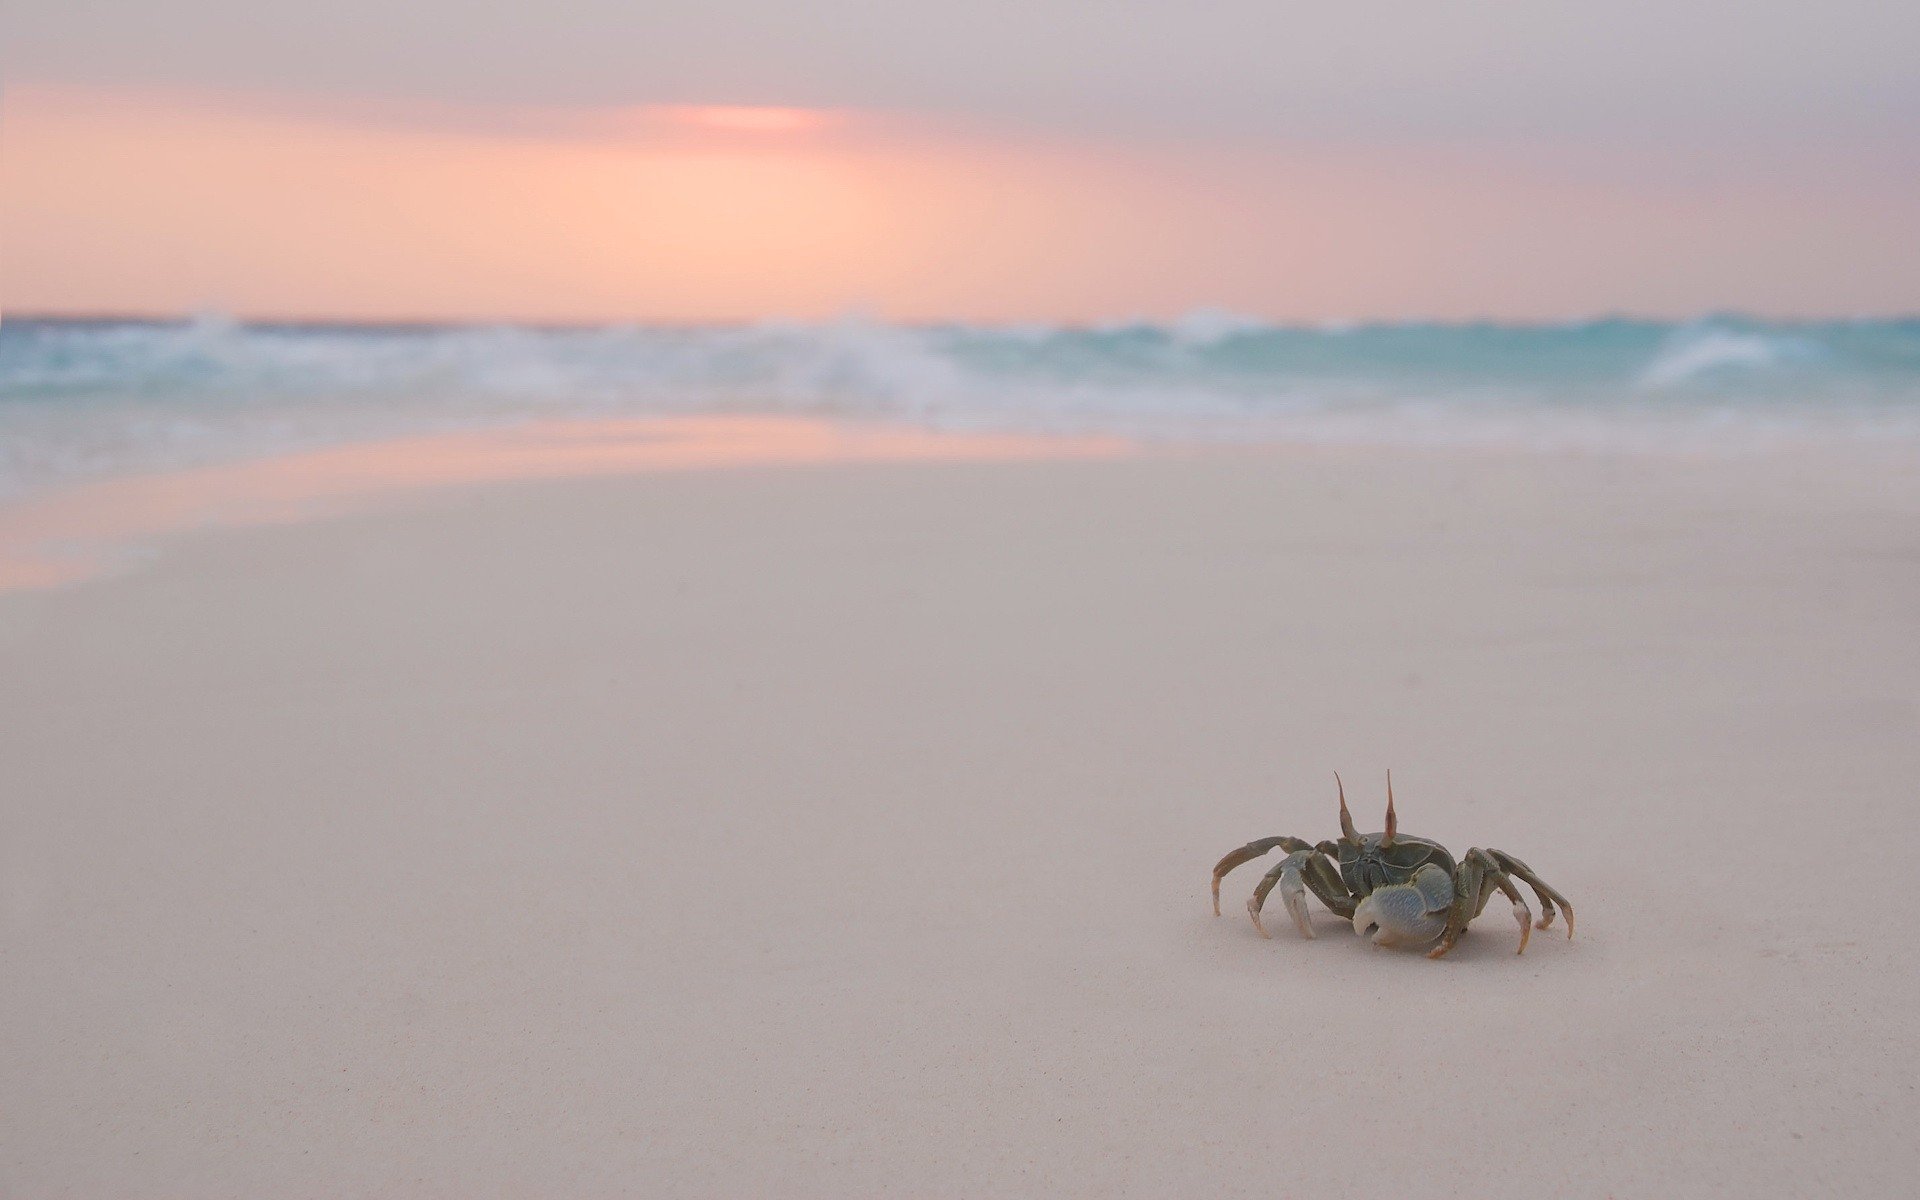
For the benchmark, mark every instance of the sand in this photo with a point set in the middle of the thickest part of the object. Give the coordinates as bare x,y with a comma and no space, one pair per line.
845,830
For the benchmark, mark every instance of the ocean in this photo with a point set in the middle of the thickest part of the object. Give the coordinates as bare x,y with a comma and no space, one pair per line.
81,400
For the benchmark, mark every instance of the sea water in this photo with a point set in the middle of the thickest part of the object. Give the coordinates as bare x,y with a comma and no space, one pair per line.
86,399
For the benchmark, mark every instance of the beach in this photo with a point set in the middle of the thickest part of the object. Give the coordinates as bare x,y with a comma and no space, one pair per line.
842,828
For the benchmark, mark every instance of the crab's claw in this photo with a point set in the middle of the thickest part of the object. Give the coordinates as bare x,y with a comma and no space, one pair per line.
1406,914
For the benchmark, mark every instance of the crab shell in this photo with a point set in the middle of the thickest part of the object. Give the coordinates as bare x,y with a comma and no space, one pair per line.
1405,886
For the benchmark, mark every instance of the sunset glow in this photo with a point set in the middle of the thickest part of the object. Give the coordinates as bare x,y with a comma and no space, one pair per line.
743,119
161,202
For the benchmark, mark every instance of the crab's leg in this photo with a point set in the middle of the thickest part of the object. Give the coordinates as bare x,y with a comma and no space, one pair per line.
1323,878
1298,871
1548,897
1474,880
1293,892
1248,853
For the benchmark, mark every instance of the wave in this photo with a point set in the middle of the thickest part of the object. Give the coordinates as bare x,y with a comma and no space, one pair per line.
82,398
1697,353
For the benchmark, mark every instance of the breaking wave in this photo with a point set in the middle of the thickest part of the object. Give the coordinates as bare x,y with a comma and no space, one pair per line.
87,398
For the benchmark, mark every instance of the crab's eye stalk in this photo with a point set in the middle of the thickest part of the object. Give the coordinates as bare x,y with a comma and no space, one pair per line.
1386,839
1347,833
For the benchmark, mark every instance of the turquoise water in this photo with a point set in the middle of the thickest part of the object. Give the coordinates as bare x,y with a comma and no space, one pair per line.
85,399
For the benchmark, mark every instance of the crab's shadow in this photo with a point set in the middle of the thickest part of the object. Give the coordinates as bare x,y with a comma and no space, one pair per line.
1478,946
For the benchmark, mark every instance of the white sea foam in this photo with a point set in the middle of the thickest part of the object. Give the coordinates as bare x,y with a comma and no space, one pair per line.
1694,352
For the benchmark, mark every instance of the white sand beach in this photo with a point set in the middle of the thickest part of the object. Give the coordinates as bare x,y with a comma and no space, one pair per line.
843,829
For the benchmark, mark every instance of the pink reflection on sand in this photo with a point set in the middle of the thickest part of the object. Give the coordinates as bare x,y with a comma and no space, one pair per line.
72,535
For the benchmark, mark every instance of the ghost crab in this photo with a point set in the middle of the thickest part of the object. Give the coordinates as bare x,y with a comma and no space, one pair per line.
1396,889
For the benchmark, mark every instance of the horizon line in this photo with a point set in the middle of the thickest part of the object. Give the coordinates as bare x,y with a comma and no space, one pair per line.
854,315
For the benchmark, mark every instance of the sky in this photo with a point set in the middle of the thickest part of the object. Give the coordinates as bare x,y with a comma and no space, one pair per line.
1032,161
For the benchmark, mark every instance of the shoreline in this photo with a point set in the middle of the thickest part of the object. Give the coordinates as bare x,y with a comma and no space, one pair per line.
80,532
102,527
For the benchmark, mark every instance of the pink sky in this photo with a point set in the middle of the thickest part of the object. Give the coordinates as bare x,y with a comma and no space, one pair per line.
165,200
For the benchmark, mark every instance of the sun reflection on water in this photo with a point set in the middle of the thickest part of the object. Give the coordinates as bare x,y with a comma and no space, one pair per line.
75,534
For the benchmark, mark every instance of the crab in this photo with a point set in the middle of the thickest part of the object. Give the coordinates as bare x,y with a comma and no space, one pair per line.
1398,890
